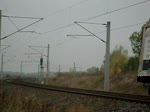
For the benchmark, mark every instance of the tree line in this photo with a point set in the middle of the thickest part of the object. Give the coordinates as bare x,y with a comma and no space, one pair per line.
120,62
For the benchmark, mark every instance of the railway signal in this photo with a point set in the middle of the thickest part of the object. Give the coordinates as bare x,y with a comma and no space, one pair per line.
46,55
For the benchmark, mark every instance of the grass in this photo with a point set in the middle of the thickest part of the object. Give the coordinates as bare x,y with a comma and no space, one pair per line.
123,83
22,99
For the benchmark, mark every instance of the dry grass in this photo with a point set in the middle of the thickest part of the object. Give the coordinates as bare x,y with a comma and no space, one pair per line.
20,99
124,83
86,81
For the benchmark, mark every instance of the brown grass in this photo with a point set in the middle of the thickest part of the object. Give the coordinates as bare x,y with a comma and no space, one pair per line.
20,99
124,83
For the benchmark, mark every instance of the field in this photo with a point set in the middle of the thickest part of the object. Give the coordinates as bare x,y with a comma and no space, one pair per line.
125,83
22,99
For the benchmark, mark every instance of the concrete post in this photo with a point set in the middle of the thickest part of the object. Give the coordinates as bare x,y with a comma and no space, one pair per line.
107,58
21,68
47,75
2,61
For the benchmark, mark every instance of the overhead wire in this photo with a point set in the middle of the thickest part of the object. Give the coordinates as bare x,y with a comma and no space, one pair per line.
58,28
52,14
90,32
116,10
122,27
127,26
92,23
41,18
108,12
126,7
13,23
21,17
18,30
21,29
113,29
61,10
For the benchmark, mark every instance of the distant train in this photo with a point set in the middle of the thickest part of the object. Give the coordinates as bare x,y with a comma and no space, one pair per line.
144,62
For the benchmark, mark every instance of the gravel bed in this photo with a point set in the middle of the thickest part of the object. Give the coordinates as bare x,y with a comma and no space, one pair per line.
64,101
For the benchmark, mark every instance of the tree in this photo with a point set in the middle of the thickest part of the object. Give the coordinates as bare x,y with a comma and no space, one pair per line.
118,60
132,64
92,70
136,42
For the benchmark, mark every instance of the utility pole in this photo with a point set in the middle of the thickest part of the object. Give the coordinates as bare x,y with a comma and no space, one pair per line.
107,58
47,75
0,33
74,67
59,68
0,27
2,61
21,68
107,55
38,72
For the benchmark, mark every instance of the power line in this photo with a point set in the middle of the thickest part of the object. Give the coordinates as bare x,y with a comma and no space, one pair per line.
37,51
5,47
93,23
119,9
71,6
13,23
63,27
74,5
29,32
122,27
21,29
78,35
127,26
58,11
113,29
126,7
39,46
20,17
90,32
58,28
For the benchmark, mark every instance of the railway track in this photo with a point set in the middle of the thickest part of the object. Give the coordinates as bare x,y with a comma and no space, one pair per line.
93,93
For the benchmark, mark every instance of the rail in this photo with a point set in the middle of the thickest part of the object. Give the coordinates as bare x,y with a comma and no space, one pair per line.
94,93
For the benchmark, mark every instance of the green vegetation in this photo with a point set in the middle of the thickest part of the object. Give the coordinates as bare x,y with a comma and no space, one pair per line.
118,60
136,42
120,63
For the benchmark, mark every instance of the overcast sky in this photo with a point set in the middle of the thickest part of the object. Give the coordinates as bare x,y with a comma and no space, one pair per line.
84,51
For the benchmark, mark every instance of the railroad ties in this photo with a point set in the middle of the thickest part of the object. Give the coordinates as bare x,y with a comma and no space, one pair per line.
91,93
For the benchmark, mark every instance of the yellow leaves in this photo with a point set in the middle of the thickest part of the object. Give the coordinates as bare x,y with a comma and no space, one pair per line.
118,70
118,60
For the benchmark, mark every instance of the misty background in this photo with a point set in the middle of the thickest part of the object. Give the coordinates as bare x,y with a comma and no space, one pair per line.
59,17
